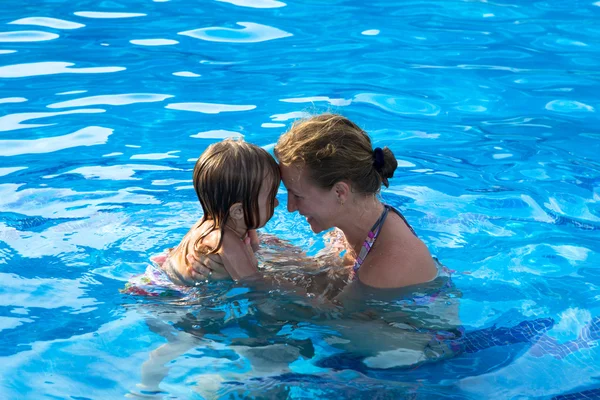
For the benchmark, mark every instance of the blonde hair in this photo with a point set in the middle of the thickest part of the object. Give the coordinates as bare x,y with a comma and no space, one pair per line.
336,149
229,172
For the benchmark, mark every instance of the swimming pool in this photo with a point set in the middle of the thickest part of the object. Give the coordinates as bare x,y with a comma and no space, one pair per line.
491,108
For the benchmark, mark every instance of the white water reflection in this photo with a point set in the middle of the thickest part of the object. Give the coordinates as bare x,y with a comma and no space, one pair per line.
169,182
48,22
255,3
567,106
217,134
250,33
7,323
271,125
112,100
12,122
89,136
186,74
10,170
107,15
209,108
123,172
370,32
13,100
50,68
155,156
316,99
154,42
290,115
7,51
26,36
71,92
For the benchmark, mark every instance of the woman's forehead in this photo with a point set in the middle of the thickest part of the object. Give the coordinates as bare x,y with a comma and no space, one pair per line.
291,173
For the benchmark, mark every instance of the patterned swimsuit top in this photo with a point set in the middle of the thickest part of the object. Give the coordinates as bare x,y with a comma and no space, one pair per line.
372,237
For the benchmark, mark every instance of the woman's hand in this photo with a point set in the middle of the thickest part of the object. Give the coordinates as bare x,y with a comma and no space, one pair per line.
253,240
201,267
206,266
238,256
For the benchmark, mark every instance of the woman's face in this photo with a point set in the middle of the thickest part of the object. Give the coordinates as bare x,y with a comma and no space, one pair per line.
319,206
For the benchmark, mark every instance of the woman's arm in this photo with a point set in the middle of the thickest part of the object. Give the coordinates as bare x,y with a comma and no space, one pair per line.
238,256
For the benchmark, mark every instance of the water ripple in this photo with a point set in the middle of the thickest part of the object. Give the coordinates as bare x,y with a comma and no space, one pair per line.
398,105
7,51
12,122
255,3
22,291
251,33
89,136
112,100
26,36
48,22
54,203
107,15
209,108
51,68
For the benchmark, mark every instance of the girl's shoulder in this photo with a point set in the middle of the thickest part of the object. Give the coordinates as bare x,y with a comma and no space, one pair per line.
203,245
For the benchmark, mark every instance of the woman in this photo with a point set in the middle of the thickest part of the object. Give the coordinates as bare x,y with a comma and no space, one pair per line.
333,175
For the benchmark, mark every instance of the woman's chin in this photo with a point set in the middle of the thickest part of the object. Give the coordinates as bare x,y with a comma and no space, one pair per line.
316,228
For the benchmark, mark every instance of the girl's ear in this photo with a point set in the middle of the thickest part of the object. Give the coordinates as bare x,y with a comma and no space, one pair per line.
342,191
236,211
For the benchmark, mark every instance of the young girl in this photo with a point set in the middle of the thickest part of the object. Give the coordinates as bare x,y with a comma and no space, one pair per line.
236,183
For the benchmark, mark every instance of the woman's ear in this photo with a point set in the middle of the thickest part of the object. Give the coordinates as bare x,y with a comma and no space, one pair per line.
236,211
342,191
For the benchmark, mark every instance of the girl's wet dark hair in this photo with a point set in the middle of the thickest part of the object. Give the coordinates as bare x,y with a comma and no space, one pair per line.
229,172
335,149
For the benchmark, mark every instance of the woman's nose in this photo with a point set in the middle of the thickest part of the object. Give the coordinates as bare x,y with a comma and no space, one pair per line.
276,202
291,204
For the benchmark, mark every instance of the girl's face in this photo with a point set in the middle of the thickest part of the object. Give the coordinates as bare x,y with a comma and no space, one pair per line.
264,201
319,206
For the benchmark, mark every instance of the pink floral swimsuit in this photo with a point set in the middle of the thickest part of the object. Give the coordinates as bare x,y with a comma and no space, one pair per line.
372,237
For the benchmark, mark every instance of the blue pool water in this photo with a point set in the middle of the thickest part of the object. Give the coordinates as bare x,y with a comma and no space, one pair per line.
491,108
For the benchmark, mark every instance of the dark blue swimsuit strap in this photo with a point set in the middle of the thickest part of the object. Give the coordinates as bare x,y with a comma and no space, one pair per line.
398,213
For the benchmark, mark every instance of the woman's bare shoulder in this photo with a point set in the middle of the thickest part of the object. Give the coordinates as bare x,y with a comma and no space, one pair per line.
398,258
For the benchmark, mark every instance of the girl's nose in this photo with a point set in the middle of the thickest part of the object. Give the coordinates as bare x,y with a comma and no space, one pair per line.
276,202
